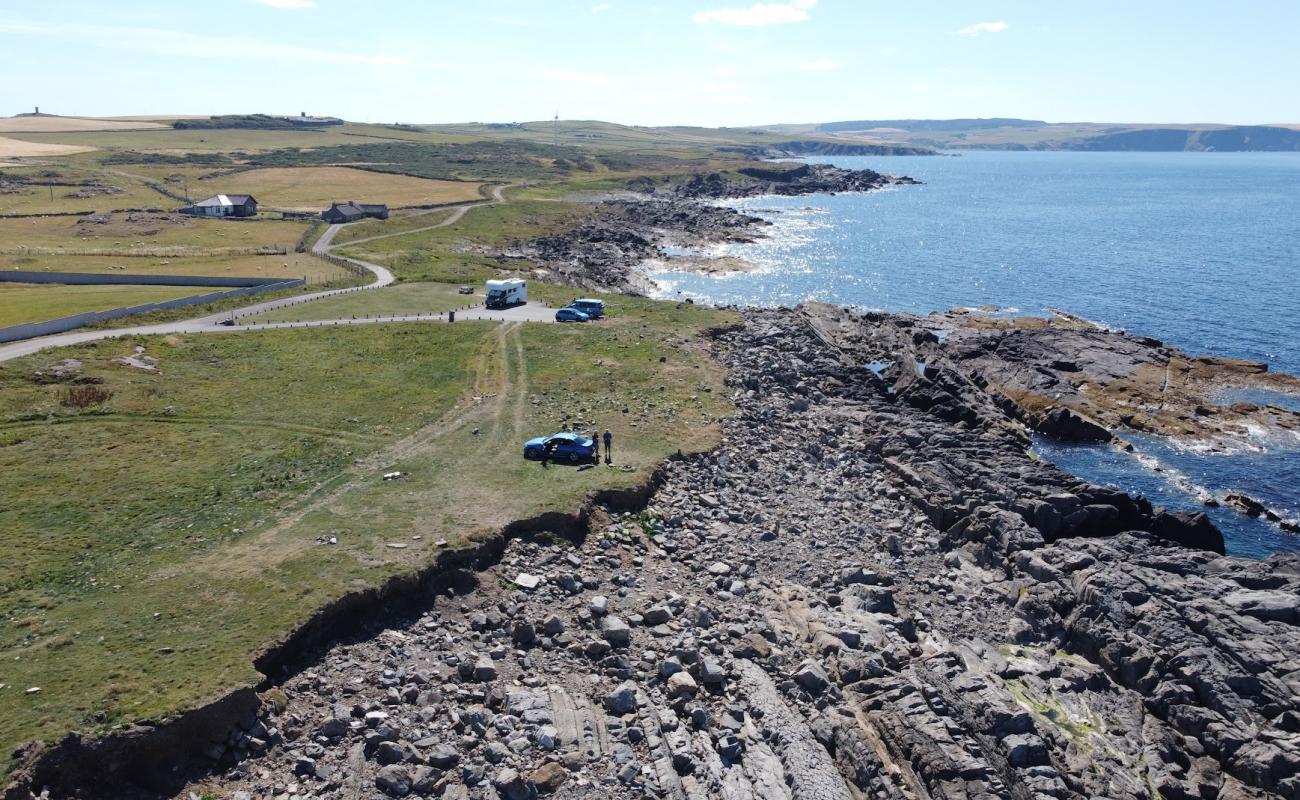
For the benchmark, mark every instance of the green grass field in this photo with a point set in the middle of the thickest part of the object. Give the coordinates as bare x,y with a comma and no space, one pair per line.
100,190
155,543
448,253
313,188
24,302
395,300
293,265
397,223
123,232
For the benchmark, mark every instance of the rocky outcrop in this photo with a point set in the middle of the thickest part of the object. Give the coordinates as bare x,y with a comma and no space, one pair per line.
605,249
1074,381
785,180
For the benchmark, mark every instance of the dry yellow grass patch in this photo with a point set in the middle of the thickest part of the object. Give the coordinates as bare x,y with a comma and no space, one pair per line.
314,188
52,124
14,148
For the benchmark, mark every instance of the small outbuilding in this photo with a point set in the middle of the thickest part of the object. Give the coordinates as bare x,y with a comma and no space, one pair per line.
351,212
224,205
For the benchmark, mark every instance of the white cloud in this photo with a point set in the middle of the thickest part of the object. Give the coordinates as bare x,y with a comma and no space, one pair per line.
819,65
599,7
183,43
286,3
758,14
983,27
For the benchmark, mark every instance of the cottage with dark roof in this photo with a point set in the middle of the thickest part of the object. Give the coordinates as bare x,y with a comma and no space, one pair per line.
352,211
224,205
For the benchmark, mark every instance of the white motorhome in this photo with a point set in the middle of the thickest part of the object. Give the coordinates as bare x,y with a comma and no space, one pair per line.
502,294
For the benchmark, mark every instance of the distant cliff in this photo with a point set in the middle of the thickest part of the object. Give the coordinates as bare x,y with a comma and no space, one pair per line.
814,147
1005,133
930,125
1239,138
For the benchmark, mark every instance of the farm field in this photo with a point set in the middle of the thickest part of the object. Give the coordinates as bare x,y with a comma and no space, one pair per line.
18,148
402,221
447,253
160,539
228,139
293,265
48,123
395,300
24,190
313,188
26,302
121,230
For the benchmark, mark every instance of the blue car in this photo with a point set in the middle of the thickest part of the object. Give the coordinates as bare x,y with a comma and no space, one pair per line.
589,306
570,447
571,314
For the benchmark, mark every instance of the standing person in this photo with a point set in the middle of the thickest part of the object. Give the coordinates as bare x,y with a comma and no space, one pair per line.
548,450
609,447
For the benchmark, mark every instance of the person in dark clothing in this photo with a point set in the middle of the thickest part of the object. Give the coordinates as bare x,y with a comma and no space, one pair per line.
548,450
609,447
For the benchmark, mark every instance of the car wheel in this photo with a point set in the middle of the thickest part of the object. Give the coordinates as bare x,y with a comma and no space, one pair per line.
532,454
574,457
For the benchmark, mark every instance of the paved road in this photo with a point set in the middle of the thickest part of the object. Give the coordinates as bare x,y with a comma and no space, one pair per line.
531,312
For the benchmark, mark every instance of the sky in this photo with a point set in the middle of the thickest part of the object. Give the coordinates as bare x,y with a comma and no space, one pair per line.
687,62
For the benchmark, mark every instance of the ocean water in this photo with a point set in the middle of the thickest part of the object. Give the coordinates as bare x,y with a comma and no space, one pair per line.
1201,250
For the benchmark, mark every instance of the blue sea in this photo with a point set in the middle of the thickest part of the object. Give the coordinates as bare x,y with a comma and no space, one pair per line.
1201,250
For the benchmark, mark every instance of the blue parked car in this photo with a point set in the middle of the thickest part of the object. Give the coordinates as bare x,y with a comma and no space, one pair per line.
570,447
570,314
589,306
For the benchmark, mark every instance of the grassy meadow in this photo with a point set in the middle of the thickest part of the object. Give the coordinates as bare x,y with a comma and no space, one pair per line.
454,252
32,302
123,232
28,189
400,222
314,188
159,539
293,265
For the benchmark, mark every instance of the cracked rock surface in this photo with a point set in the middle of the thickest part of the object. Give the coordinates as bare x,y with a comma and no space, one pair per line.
866,592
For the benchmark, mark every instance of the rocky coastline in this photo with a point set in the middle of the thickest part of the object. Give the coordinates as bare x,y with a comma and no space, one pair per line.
869,590
1072,380
607,250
